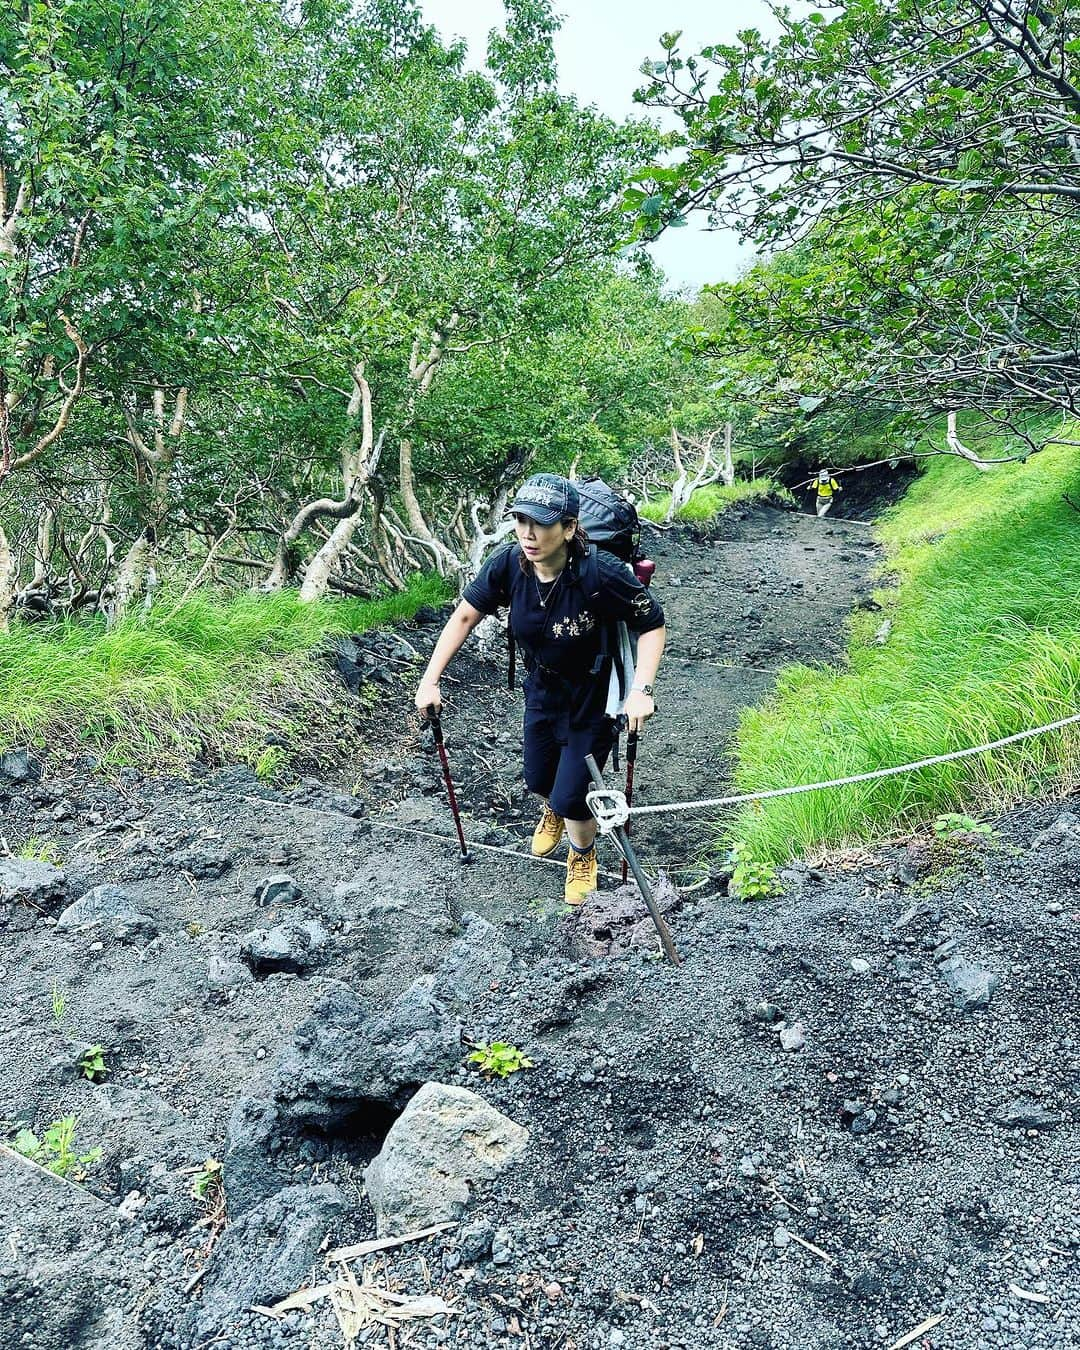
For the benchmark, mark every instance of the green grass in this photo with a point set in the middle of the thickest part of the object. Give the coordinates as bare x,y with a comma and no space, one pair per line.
708,502
217,672
985,642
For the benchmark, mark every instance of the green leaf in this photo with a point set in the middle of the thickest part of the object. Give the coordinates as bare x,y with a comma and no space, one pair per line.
27,1144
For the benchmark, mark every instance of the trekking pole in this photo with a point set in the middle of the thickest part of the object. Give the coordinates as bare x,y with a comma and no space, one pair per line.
631,760
436,730
628,853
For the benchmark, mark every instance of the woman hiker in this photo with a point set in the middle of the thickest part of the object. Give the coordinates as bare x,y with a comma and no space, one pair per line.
556,624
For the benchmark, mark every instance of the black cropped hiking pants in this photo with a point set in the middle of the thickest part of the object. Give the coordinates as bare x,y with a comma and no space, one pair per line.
554,753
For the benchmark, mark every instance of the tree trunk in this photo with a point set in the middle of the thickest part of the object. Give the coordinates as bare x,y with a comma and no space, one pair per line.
727,466
139,563
328,558
285,556
678,485
7,581
382,523
418,526
358,466
956,445
486,533
43,550
129,577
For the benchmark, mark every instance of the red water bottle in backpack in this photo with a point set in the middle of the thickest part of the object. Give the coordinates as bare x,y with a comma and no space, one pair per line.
644,570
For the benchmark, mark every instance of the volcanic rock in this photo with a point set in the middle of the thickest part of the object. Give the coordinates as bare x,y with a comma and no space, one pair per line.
444,1140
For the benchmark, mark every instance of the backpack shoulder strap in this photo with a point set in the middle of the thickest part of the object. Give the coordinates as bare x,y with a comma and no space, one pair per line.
590,580
590,572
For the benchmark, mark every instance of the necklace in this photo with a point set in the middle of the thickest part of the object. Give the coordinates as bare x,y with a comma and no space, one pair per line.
554,586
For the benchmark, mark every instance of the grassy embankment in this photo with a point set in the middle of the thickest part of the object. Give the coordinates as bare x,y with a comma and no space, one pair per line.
212,676
985,641
709,501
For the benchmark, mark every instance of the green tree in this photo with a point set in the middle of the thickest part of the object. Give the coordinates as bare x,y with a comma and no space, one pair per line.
435,213
117,156
981,96
291,295
926,156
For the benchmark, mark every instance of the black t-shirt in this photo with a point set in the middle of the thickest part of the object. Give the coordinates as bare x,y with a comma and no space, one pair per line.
560,637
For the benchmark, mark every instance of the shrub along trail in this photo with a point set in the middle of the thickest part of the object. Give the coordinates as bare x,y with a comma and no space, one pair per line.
849,1114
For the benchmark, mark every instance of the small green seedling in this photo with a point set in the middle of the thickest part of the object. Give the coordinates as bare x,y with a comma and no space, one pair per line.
92,1064
39,850
55,1150
951,824
269,763
498,1059
751,879
59,1003
208,1183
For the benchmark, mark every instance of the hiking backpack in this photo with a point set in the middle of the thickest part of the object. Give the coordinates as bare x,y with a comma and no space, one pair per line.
610,520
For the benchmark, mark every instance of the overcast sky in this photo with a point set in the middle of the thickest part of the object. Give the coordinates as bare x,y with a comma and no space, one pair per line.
600,48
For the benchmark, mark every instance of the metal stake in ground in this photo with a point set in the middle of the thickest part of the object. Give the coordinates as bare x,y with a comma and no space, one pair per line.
643,886
631,760
436,730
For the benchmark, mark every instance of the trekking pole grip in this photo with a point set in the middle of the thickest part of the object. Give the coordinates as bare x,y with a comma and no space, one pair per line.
434,719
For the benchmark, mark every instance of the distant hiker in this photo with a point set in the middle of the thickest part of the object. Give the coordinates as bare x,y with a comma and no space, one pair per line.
563,593
826,485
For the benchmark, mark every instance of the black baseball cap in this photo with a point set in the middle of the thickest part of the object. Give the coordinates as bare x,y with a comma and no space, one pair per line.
546,498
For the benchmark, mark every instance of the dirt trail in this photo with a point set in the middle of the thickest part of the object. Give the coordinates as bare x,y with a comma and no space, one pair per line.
764,588
801,1138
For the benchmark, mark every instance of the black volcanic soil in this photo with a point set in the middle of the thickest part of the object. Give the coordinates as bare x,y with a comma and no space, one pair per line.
689,1181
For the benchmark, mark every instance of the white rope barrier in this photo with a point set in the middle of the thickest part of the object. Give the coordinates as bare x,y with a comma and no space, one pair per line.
379,823
739,798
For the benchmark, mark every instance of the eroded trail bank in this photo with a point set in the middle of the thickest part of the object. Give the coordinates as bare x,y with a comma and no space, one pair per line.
851,1109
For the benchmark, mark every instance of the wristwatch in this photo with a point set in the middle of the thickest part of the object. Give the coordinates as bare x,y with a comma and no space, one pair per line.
643,689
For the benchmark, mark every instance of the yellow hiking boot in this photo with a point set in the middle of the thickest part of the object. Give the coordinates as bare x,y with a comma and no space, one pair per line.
580,875
548,832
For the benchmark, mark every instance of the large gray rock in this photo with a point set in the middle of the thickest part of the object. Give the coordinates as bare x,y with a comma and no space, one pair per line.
20,766
472,962
267,1254
29,882
109,908
224,972
127,1121
290,946
445,1140
1066,826
62,1281
616,921
340,1055
202,863
1024,1114
342,1061
246,1168
970,985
